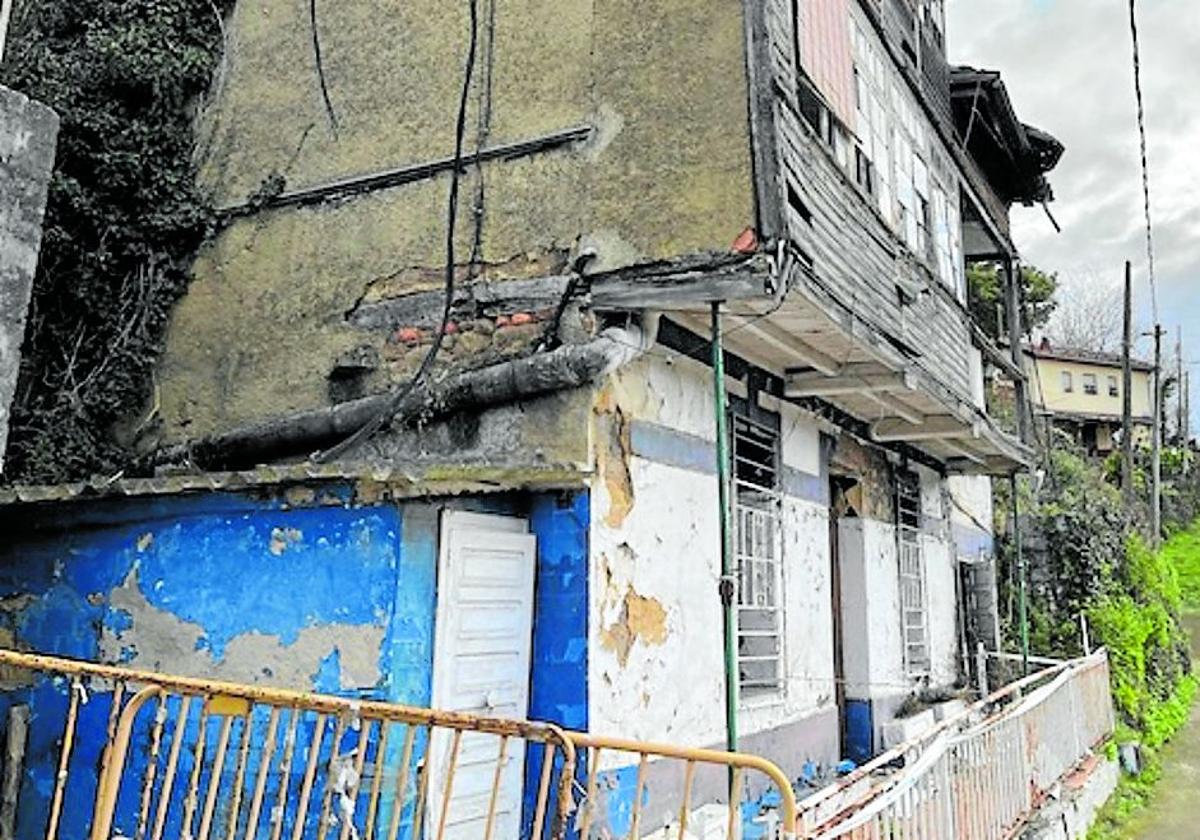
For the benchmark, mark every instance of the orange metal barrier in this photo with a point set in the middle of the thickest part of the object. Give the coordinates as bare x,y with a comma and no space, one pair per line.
288,765
202,759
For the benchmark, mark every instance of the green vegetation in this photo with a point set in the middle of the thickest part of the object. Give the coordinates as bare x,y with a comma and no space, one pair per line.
123,220
1183,553
985,293
1087,556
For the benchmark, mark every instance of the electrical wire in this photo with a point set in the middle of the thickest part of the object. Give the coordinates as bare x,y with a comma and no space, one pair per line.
483,133
389,410
316,44
1141,121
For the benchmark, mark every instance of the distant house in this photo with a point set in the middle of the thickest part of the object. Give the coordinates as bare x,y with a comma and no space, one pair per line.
1079,391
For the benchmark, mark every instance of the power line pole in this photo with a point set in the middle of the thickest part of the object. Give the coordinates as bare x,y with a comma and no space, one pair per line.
1156,443
1179,384
1127,392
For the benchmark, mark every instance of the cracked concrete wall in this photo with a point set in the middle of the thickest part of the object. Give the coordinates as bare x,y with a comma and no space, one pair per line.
270,310
28,136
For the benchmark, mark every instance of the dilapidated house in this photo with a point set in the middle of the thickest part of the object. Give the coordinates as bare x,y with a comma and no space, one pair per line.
701,455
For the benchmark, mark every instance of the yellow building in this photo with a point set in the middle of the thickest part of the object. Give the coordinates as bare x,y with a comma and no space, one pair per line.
1080,391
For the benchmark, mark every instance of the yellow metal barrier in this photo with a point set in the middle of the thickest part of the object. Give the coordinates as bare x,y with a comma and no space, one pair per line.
203,759
367,767
738,777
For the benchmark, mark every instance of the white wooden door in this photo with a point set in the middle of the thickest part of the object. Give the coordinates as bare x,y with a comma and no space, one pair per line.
482,644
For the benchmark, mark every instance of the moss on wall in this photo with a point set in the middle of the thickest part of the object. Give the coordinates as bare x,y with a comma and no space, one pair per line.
667,172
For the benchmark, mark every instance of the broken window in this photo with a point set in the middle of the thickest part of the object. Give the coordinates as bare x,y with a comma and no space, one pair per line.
758,544
1089,384
914,608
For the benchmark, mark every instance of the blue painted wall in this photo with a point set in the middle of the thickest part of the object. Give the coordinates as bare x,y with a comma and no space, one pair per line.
558,683
211,569
860,731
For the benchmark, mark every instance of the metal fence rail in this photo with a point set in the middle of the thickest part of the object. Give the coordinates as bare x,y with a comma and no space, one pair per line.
669,792
980,775
101,752
113,752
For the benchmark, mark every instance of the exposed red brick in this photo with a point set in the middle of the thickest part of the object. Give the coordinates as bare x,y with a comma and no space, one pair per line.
408,335
747,242
520,318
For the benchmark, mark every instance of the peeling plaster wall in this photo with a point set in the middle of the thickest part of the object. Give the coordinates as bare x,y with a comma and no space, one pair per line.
209,587
330,596
667,173
656,668
313,588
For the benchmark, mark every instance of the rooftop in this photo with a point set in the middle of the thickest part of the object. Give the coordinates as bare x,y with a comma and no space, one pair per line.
1044,350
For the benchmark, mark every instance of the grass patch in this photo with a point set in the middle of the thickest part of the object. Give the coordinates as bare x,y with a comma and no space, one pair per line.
1183,552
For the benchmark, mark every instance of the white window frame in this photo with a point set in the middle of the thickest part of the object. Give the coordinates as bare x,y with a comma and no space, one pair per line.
1068,382
1091,384
914,593
758,555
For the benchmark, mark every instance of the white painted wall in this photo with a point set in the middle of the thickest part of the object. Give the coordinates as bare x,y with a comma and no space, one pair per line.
970,501
665,554
874,657
940,567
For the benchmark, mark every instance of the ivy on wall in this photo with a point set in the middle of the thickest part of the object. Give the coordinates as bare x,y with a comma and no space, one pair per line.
124,217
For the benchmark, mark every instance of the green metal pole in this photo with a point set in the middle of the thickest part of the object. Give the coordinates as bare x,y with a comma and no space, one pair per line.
727,586
1024,614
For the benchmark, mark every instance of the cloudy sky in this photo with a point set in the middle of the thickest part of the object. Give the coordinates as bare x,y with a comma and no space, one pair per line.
1068,68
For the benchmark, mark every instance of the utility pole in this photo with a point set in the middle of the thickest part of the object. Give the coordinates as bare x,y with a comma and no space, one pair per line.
1156,443
1127,392
1179,384
1187,409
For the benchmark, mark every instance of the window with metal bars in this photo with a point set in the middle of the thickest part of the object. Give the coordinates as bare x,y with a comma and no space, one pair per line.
914,607
758,548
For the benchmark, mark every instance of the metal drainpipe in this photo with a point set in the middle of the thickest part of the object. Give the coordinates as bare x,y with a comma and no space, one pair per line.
1023,613
727,586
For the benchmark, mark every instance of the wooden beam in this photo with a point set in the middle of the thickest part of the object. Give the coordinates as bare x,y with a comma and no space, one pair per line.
897,407
794,345
851,379
965,452
938,427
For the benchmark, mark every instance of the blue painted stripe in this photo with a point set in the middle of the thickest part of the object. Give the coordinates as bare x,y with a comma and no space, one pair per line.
685,451
971,540
673,447
801,485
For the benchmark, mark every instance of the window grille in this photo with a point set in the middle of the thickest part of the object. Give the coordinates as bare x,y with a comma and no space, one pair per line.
758,547
914,608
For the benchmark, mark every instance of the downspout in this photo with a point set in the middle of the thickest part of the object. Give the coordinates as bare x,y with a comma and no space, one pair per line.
728,583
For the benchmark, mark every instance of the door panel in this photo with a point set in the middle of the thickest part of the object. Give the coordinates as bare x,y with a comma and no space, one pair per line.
481,664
